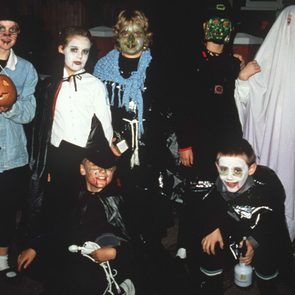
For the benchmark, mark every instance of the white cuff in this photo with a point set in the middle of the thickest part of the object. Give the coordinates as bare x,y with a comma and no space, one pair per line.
181,253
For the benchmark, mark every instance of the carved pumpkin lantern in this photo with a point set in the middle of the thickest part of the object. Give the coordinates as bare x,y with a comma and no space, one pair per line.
7,91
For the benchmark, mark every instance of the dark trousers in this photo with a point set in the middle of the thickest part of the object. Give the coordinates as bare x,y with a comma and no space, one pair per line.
264,261
61,193
14,187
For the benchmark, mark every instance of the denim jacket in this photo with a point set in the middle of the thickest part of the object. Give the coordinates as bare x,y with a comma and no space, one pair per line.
13,142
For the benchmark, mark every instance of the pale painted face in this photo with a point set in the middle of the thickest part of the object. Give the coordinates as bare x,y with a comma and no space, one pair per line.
9,31
131,40
97,178
76,54
233,171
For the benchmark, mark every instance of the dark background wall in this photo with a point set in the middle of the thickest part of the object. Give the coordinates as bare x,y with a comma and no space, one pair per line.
176,24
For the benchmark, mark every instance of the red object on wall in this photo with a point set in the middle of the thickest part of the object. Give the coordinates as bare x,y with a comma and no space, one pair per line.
246,45
103,38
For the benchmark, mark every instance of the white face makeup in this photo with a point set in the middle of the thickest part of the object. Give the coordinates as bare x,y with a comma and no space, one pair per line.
233,172
131,40
76,54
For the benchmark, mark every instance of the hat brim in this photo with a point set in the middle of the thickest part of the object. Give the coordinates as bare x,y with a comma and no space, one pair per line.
104,159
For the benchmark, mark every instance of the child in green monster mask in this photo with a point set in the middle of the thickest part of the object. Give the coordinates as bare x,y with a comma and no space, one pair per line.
208,109
132,74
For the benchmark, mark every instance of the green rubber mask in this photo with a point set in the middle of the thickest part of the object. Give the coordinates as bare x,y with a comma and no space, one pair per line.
132,39
218,30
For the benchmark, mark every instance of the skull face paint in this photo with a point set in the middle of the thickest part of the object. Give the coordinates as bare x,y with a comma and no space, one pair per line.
233,171
76,54
131,40
218,30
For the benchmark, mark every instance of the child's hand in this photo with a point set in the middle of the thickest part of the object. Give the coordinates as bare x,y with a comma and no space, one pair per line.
25,258
249,70
210,241
186,157
242,61
4,109
104,254
247,259
115,150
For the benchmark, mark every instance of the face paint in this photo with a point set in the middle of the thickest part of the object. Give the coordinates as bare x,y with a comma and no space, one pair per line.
8,34
97,178
76,54
233,171
131,39
218,30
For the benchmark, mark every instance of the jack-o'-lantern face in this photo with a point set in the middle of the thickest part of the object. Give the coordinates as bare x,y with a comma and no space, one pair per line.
7,91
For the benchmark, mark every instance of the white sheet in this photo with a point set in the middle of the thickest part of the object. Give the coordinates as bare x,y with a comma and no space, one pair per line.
269,115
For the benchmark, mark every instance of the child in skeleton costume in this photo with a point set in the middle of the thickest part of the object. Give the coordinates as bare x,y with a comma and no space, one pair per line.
246,201
207,115
13,142
98,217
71,103
134,92
265,100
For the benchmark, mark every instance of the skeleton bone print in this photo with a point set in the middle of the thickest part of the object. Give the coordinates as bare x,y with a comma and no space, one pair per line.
248,212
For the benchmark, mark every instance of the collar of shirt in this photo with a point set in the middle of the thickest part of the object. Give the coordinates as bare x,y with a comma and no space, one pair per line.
12,60
230,196
66,76
78,75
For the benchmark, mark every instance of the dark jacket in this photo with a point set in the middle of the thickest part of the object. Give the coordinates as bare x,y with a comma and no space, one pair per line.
206,113
257,212
42,128
152,141
95,214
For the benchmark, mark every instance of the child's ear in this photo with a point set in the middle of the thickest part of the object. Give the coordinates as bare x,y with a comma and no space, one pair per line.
82,169
60,49
216,164
252,169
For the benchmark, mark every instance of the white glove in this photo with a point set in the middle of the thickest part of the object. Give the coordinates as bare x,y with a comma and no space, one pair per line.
86,249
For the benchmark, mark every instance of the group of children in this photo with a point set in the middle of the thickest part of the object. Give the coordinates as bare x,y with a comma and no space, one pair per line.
73,127
111,124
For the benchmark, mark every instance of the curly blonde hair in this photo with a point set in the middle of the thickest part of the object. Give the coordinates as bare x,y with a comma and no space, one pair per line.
127,17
